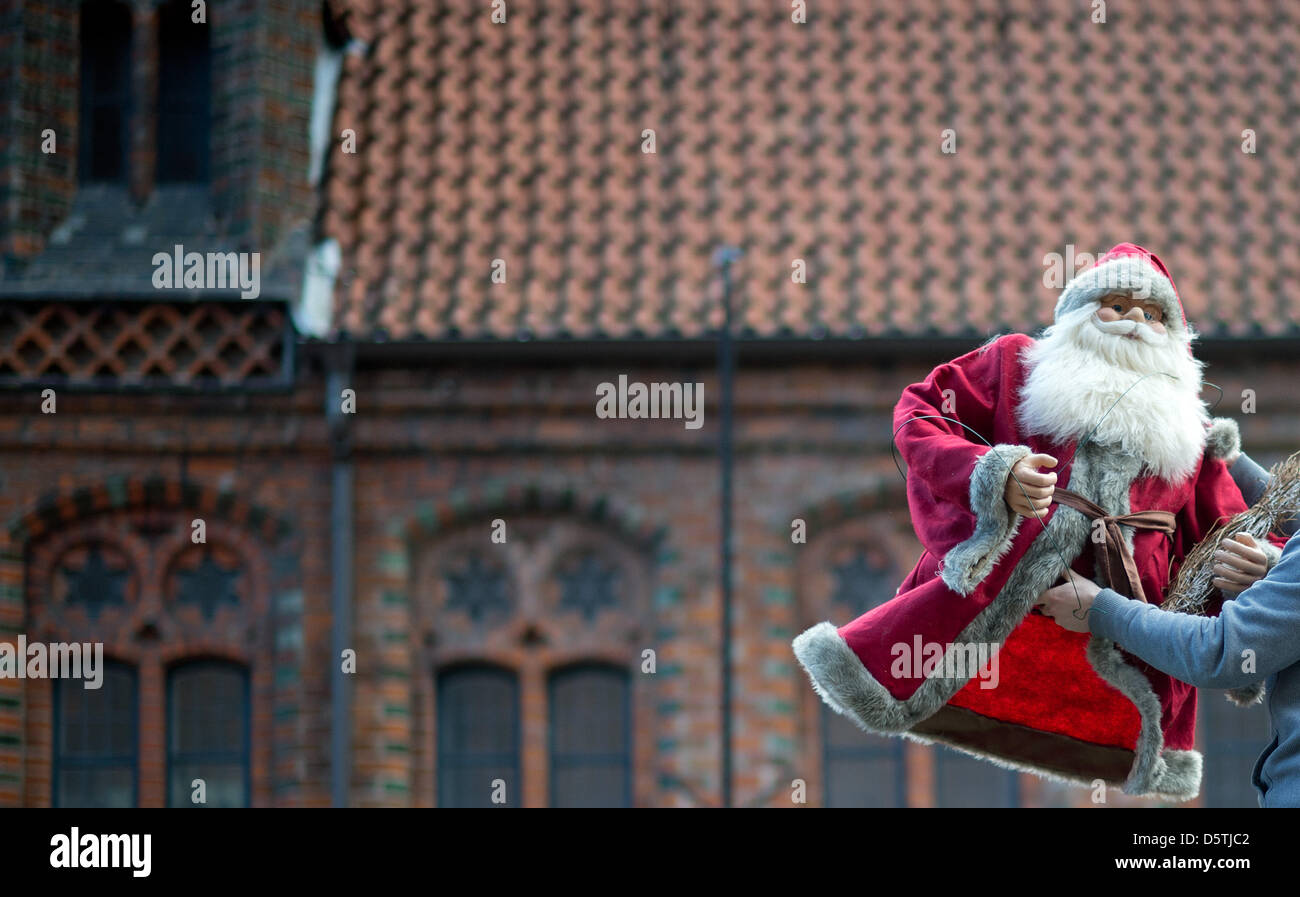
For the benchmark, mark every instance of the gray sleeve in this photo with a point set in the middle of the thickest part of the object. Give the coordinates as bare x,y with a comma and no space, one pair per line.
1252,479
1262,623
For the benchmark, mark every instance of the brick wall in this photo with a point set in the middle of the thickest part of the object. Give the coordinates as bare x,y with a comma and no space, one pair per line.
439,454
38,53
262,58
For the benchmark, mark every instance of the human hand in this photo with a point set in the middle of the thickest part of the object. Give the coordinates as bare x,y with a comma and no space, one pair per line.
1239,564
1033,491
1069,603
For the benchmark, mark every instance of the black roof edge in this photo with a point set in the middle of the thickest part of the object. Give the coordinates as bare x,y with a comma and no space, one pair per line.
372,353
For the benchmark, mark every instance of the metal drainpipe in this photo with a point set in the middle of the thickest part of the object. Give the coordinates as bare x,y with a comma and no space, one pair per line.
723,258
338,378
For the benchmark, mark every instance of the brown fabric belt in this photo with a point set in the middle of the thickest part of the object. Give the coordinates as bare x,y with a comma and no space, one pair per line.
1114,560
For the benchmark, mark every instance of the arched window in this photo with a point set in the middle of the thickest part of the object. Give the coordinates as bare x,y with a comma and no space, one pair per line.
95,745
1233,738
478,736
524,643
590,737
104,136
184,95
208,733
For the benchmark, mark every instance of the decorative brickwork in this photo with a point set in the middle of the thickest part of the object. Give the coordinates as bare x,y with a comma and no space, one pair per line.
141,533
149,345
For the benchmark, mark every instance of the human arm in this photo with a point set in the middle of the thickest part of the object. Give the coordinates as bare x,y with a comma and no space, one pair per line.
1261,625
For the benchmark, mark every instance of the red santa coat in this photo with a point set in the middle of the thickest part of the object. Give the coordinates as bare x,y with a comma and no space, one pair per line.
1067,705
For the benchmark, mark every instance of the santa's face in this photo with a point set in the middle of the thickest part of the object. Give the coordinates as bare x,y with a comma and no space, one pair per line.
1125,307
1115,370
1125,331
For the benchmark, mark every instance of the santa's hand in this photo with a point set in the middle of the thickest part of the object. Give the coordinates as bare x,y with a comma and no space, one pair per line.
1238,564
1028,491
1069,603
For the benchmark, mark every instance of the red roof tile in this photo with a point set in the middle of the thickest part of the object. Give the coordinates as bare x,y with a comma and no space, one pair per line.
819,142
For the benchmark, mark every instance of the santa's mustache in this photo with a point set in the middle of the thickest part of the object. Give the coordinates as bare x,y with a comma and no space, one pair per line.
1128,327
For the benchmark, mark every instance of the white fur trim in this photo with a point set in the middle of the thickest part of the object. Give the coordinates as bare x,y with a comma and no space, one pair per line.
1246,695
967,563
1223,441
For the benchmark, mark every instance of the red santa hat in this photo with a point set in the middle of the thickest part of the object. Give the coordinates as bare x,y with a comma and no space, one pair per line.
1127,268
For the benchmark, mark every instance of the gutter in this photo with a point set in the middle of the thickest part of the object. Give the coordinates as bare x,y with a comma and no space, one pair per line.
342,480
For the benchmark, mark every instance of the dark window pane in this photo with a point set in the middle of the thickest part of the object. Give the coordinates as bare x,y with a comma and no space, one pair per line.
590,738
965,781
478,736
207,733
105,91
862,770
1233,738
184,92
103,786
95,740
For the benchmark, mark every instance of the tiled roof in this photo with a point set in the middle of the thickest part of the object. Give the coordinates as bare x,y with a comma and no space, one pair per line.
819,141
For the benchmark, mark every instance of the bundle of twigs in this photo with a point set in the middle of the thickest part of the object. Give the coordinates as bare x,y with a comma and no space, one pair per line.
1192,590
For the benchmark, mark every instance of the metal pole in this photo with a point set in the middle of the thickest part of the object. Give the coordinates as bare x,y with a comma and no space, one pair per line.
723,258
341,504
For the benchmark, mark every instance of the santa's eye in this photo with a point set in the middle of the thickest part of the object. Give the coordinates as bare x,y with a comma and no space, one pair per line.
1119,308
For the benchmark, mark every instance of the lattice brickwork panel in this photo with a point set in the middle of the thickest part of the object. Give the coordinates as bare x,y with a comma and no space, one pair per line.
145,344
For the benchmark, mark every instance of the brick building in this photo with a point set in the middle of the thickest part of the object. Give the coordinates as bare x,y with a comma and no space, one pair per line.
452,574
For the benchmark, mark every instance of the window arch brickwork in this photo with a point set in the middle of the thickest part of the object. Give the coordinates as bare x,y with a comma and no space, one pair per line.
137,533
424,623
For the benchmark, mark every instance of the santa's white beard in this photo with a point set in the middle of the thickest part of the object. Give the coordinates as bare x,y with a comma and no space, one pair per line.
1081,367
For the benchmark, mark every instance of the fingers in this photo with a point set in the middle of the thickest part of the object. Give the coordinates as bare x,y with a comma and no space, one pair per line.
1030,509
1226,587
1224,573
1031,501
1238,553
1038,460
1030,478
1241,567
1022,486
1245,539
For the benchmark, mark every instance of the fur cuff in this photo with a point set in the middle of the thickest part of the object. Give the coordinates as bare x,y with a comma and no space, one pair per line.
1223,441
1271,552
1246,695
967,563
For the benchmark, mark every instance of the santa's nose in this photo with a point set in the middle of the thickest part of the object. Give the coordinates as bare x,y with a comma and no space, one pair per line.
1135,314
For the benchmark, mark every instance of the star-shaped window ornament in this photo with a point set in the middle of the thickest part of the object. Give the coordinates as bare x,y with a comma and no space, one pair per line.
209,586
861,584
95,584
478,589
589,587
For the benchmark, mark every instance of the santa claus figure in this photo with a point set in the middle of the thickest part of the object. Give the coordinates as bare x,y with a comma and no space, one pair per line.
1088,448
